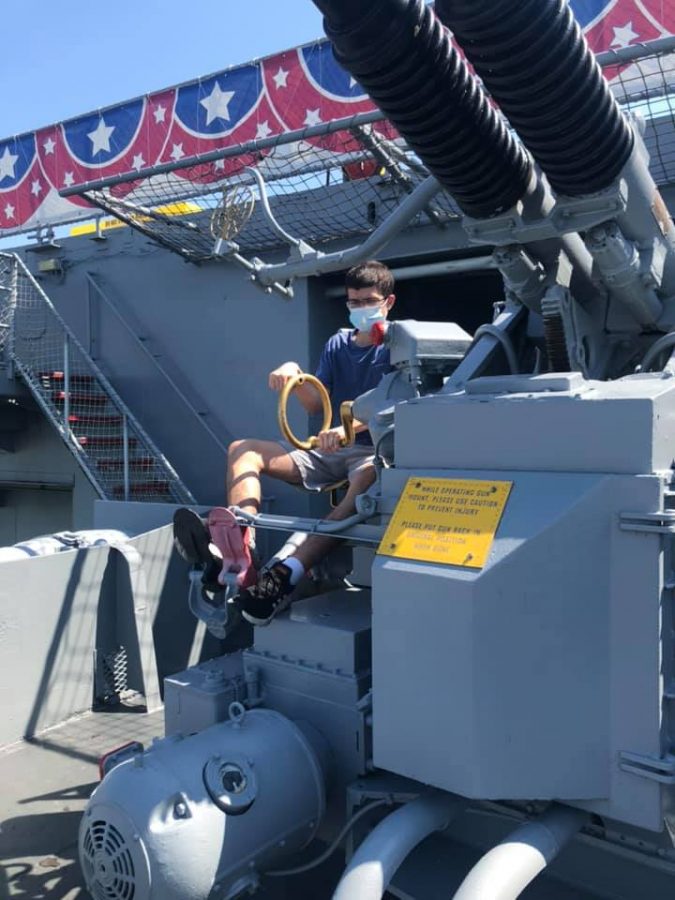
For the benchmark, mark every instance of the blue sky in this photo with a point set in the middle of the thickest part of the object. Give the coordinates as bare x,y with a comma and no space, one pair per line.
66,58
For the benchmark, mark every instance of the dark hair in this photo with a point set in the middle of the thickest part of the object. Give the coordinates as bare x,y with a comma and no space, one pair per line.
371,274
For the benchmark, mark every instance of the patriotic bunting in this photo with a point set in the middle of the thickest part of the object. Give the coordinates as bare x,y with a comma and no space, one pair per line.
281,93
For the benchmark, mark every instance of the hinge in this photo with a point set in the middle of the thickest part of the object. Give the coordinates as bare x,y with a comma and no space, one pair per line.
656,768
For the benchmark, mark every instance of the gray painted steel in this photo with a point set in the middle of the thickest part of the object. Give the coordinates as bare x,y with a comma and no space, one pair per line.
570,421
315,665
60,614
547,675
556,641
168,835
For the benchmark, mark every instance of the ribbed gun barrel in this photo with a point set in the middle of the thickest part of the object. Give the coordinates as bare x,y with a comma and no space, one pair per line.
535,62
401,54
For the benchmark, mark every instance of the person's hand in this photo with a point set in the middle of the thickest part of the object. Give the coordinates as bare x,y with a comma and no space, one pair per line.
278,378
331,439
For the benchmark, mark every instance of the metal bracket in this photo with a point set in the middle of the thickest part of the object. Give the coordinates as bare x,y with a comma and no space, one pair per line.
567,215
322,263
655,768
230,250
220,620
301,247
388,156
660,522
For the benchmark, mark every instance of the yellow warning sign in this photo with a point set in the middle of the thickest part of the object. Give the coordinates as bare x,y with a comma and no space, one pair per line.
443,520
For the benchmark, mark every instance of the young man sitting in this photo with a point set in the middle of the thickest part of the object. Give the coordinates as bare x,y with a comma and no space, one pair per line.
350,364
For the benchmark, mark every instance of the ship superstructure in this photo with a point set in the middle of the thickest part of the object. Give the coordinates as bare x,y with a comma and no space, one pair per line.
488,694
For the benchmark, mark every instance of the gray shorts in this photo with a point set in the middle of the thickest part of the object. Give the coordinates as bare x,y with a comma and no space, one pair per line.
318,469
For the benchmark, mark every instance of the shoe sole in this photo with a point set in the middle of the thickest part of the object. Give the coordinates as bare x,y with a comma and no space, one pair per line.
253,620
191,537
227,536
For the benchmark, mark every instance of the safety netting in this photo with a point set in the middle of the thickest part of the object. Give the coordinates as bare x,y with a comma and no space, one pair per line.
111,446
341,179
320,187
645,87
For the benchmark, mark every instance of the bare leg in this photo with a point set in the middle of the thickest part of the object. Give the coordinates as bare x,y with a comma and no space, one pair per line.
247,460
317,546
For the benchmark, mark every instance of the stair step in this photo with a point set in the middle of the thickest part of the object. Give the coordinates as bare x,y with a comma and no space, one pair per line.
92,420
75,377
152,488
141,463
78,398
93,441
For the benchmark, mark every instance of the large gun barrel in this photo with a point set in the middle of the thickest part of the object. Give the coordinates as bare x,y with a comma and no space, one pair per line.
535,62
403,57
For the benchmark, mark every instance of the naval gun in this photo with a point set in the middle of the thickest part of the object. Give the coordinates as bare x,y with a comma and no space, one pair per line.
502,670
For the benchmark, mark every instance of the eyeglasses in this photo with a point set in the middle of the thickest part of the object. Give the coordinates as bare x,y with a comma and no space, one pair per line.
366,301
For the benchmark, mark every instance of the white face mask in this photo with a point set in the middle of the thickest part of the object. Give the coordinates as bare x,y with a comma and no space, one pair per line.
365,317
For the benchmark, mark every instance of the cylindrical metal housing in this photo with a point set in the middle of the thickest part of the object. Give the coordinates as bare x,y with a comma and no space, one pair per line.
618,261
208,811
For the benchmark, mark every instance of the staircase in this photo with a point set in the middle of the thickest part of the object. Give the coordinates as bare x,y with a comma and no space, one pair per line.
117,456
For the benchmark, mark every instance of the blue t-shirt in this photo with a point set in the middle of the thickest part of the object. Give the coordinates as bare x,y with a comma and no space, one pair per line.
348,370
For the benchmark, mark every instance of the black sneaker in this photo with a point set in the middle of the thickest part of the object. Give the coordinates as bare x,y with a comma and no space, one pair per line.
270,596
192,541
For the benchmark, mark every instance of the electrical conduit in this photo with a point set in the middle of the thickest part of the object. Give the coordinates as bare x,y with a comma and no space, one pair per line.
380,855
506,870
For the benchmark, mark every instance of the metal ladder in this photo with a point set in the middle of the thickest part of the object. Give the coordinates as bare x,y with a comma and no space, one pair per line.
112,448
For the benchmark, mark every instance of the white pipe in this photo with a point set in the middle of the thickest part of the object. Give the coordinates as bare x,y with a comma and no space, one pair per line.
379,856
506,870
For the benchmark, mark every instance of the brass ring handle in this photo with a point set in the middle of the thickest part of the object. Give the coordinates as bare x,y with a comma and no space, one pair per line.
346,417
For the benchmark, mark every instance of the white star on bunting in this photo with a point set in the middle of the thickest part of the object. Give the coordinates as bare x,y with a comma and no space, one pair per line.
9,211
138,162
35,187
217,104
263,130
159,112
219,165
100,137
177,152
49,145
68,179
312,117
7,163
280,78
352,82
623,36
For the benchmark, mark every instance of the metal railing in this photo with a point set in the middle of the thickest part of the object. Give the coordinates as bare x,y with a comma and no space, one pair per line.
116,454
140,344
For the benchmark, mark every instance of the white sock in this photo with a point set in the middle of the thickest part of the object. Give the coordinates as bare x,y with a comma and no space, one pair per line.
296,567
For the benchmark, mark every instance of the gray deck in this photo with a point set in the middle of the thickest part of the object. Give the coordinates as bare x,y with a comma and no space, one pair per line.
44,786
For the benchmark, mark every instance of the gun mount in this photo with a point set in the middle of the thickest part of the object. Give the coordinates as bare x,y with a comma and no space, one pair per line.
581,233
520,596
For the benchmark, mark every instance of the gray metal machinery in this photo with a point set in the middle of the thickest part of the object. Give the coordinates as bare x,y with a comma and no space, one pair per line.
516,695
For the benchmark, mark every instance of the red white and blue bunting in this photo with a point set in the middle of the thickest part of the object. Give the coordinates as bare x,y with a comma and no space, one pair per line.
282,93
